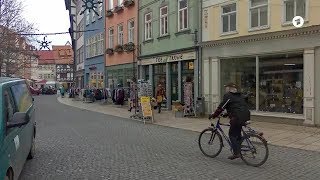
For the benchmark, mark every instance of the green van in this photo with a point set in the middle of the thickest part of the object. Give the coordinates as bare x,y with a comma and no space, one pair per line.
17,127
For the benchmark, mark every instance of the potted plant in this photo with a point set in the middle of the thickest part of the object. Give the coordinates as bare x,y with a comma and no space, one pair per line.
119,48
118,9
109,51
109,13
129,47
178,110
128,3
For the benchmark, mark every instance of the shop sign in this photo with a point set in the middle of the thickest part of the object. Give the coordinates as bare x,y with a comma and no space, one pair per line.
146,106
169,58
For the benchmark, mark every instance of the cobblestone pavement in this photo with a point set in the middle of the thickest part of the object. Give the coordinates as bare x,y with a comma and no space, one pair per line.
79,144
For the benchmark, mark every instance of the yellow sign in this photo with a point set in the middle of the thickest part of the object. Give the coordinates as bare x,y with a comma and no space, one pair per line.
146,106
190,65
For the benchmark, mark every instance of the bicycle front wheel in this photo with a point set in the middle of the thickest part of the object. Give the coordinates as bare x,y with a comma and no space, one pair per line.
254,150
210,142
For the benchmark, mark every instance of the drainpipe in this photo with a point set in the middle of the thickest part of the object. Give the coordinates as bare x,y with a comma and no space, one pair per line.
200,50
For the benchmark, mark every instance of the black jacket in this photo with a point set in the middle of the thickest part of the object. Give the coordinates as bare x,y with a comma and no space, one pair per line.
236,106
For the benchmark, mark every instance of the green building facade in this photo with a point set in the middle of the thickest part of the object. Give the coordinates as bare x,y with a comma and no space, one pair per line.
168,38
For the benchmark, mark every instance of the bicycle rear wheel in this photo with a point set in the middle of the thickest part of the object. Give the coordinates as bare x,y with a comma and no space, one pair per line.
254,150
210,142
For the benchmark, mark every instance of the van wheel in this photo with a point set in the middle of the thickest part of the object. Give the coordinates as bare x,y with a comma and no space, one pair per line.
9,175
33,149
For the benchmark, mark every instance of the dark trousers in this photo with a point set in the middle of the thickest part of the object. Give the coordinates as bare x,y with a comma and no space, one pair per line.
159,107
235,135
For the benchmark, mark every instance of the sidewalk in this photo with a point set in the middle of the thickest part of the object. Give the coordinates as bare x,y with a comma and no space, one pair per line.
301,137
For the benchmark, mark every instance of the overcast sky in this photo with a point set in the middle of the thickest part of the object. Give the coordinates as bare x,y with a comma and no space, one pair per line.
49,16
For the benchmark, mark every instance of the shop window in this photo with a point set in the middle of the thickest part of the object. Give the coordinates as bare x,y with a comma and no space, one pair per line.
281,84
243,73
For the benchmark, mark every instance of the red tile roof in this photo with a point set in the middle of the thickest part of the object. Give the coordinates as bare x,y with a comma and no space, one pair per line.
63,54
45,57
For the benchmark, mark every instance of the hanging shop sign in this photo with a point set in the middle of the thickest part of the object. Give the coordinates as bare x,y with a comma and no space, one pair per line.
169,58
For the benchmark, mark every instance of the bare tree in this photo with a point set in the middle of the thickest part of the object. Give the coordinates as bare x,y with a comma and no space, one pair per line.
15,53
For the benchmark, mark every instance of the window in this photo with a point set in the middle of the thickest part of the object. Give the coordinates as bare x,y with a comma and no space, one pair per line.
120,34
22,97
9,108
100,43
100,10
93,15
241,71
110,4
278,78
148,26
96,45
87,17
81,53
294,8
131,31
229,18
120,2
87,48
183,15
258,13
164,21
281,83
111,37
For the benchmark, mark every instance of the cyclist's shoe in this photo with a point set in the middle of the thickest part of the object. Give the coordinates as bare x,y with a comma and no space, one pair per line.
234,156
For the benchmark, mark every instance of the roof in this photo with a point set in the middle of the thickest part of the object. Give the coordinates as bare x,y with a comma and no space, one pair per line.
45,57
63,54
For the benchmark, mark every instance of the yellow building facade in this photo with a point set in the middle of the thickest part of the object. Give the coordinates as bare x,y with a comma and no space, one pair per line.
254,44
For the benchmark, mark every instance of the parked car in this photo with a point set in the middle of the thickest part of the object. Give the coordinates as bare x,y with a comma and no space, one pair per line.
48,90
17,127
34,91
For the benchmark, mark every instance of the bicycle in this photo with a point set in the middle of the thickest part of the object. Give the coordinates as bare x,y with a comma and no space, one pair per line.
248,147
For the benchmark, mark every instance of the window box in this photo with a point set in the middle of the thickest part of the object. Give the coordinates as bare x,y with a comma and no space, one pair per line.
109,51
128,47
118,9
109,13
128,3
119,48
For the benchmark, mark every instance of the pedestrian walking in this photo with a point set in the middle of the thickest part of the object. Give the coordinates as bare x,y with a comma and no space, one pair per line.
160,96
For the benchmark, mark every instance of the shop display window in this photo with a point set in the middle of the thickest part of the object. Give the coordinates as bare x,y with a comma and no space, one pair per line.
241,71
281,83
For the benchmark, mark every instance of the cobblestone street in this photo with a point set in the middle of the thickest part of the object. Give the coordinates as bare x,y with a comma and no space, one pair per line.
80,144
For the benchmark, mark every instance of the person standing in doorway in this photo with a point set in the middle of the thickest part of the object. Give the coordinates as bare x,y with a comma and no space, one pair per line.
160,96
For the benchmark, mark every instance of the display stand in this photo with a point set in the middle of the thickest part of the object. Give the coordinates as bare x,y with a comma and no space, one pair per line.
146,108
144,89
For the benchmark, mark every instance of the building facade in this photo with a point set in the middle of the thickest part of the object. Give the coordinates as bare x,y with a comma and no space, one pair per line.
168,35
63,56
94,63
46,68
254,44
79,46
121,41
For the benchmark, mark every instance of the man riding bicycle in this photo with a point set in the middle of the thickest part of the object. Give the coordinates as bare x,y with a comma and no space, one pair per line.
238,111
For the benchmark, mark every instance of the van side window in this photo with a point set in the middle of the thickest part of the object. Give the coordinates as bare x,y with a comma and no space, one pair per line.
9,109
22,97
